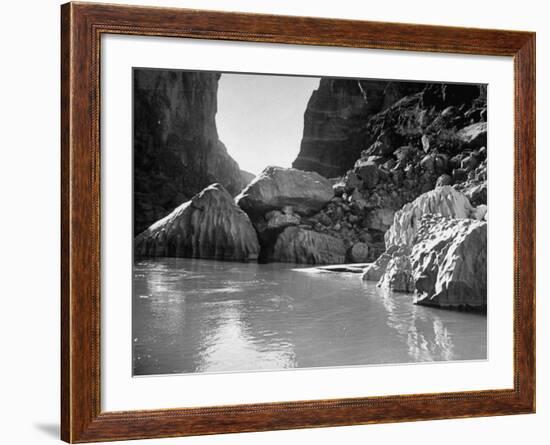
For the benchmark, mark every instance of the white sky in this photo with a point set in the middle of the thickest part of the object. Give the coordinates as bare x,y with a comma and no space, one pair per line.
261,117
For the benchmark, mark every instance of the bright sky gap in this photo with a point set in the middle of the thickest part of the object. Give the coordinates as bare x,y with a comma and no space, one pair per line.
260,117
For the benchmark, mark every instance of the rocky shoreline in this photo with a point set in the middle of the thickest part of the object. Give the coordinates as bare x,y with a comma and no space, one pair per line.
413,203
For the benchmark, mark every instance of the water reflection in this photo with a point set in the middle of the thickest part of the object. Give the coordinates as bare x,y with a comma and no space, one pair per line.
425,333
207,316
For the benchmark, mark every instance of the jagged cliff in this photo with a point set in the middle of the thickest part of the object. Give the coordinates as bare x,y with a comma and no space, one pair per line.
177,151
335,114
423,136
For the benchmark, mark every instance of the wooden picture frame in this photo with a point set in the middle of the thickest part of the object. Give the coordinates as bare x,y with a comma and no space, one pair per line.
82,25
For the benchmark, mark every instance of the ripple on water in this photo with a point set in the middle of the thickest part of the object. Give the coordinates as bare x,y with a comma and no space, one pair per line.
207,316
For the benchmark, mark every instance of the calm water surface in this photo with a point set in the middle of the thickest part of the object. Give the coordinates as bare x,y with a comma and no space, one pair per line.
208,316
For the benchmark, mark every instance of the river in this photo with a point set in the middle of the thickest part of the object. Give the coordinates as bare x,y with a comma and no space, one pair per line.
210,316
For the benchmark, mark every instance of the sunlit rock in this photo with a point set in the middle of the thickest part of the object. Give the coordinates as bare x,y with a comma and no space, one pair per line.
443,201
277,187
398,275
375,271
449,263
209,226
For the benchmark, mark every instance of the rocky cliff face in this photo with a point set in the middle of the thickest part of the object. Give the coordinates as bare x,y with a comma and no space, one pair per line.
335,114
423,136
176,147
209,226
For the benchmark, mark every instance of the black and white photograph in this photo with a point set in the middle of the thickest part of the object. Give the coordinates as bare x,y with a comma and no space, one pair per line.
284,221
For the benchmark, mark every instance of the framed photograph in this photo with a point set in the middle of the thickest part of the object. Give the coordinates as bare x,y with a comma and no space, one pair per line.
274,222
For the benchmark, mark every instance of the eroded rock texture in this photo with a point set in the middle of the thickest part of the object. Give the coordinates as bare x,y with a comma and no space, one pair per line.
209,226
449,263
443,201
177,151
297,245
436,248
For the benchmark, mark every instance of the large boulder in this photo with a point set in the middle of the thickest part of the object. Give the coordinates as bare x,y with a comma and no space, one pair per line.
297,245
449,263
474,136
477,193
443,180
209,226
436,248
443,201
358,253
276,188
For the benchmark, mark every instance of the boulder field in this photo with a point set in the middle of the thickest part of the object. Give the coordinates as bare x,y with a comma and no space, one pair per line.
299,219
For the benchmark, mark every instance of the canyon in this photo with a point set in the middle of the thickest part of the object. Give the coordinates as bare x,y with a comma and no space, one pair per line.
389,173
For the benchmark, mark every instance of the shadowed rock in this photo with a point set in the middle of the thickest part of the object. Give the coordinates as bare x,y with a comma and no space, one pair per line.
296,245
477,193
380,219
209,226
177,151
277,187
335,111
358,253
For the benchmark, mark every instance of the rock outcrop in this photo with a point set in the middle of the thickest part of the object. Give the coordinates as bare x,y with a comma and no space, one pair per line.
177,151
335,112
297,245
376,270
398,274
209,226
443,201
436,248
449,263
277,187
422,137
474,136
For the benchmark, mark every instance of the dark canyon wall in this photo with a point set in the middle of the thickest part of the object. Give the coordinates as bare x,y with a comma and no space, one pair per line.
335,114
177,152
